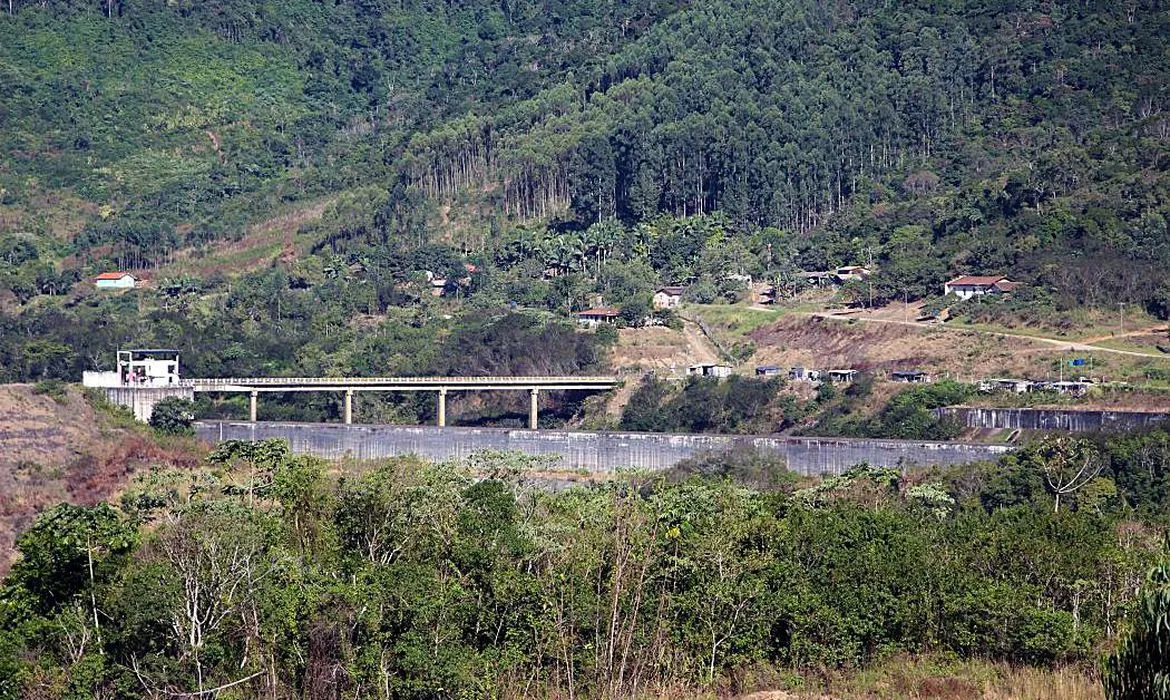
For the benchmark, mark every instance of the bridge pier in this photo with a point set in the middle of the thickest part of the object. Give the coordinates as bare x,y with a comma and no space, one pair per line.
252,406
349,406
533,402
442,408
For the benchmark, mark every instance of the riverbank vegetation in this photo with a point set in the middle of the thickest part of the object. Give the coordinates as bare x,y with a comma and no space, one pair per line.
268,574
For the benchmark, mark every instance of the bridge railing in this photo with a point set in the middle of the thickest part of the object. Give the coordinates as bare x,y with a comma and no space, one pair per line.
430,381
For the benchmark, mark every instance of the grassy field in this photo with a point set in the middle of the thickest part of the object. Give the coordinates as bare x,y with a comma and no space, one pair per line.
944,679
734,320
905,678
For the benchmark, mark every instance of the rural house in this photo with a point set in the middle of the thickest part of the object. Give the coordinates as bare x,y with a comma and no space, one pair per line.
597,316
668,297
115,280
969,286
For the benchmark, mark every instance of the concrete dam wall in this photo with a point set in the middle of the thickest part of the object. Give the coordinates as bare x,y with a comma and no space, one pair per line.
142,400
596,452
1055,419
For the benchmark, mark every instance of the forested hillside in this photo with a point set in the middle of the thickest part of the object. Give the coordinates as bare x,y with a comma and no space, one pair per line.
565,150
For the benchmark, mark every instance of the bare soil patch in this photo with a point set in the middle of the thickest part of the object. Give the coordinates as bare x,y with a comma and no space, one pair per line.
662,349
54,451
811,341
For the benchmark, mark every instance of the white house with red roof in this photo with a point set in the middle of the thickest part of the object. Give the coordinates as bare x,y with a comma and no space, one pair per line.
115,280
969,286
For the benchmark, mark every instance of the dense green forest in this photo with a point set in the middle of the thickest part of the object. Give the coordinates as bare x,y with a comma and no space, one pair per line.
267,575
565,150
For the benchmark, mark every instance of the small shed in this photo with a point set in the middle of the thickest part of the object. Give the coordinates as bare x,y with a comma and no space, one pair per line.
911,376
822,278
1016,386
709,369
1068,388
768,371
803,374
115,280
841,376
852,273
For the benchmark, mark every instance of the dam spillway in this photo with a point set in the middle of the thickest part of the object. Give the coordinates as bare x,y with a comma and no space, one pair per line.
595,452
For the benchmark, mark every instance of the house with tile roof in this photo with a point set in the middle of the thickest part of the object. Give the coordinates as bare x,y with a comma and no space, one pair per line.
115,280
969,286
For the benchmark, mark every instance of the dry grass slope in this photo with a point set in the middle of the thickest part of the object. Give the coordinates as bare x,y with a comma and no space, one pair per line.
61,449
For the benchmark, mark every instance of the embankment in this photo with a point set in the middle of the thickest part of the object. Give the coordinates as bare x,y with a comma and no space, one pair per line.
595,452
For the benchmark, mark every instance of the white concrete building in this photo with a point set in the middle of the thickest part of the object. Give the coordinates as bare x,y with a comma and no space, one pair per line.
148,369
115,280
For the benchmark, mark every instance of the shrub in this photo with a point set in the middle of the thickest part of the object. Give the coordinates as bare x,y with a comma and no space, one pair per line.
1140,669
53,388
173,416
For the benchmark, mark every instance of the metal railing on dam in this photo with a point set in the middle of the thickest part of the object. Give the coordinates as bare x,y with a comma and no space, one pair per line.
595,452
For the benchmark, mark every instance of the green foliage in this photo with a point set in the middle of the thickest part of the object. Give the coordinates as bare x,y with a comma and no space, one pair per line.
53,388
734,405
908,415
423,577
1140,668
744,466
67,552
585,150
173,416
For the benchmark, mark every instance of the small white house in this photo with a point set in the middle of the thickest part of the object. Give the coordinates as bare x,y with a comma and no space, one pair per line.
668,297
969,286
601,315
841,376
115,280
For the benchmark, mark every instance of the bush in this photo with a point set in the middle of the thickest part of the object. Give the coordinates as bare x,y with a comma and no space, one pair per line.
1139,668
173,416
53,388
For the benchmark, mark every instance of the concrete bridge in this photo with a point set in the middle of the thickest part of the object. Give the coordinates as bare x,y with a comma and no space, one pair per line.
140,392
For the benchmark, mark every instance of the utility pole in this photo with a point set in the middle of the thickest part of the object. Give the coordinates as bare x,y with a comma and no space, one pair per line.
1121,306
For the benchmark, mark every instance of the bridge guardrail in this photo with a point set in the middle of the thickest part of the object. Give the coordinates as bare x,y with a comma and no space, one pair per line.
359,381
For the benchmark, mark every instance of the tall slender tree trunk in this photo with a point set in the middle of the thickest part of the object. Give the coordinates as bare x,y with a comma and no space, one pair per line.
92,595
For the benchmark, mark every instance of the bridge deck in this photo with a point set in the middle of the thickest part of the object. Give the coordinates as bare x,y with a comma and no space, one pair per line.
273,384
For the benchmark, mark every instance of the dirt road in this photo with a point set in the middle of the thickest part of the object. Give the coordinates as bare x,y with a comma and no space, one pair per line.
1070,345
